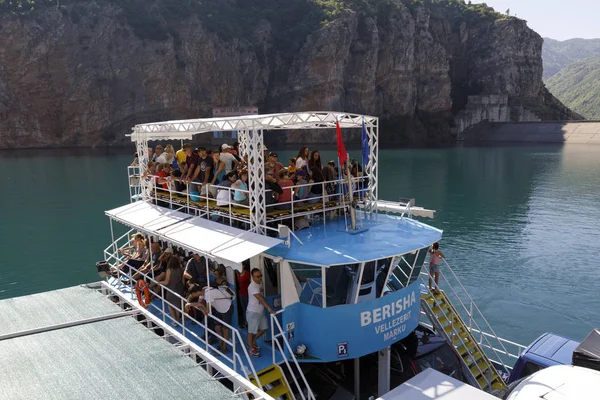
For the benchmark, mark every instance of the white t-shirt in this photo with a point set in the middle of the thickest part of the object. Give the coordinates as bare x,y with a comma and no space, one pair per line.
219,298
162,158
229,160
300,162
253,304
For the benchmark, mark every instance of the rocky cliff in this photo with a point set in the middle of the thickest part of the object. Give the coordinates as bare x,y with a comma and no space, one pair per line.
84,73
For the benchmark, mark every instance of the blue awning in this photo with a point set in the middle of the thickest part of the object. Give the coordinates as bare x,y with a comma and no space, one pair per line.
379,236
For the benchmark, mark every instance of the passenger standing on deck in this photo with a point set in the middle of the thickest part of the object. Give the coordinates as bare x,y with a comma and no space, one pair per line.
228,158
243,283
434,266
220,297
195,270
302,159
174,281
255,315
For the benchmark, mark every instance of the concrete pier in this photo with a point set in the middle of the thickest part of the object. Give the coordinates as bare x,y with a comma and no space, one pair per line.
560,132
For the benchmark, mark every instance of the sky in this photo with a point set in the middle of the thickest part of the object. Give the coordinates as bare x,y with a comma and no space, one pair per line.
556,19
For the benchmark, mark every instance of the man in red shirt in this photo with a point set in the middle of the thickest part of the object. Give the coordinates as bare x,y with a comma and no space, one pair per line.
243,279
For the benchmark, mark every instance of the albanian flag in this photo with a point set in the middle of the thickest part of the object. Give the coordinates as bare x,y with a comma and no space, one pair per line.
341,150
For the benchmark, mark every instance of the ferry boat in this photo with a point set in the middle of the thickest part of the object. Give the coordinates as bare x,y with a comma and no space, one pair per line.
348,291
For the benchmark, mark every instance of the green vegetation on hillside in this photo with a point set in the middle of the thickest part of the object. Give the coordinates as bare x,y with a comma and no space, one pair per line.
290,21
557,55
578,87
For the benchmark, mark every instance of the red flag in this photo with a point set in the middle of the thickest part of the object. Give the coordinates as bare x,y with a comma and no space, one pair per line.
342,155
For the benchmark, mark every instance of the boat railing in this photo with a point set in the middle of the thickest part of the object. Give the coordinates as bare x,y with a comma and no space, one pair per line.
236,342
333,196
280,334
135,189
476,322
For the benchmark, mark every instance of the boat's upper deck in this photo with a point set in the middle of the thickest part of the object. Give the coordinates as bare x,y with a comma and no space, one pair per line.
378,236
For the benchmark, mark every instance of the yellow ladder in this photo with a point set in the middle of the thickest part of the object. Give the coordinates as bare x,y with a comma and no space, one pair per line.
449,324
274,376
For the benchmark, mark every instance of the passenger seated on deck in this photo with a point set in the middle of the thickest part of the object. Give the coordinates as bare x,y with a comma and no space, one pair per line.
255,314
302,193
284,199
151,263
328,173
291,169
272,191
219,175
195,270
137,252
220,297
272,166
159,270
239,196
224,196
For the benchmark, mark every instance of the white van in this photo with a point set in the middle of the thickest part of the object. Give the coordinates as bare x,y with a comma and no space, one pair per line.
559,382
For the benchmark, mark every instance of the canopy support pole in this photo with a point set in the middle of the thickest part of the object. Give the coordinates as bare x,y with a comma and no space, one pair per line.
383,379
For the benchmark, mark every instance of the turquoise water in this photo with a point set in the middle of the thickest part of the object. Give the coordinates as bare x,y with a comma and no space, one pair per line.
520,224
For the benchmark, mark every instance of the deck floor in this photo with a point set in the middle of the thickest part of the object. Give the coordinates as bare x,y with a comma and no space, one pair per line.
264,361
111,359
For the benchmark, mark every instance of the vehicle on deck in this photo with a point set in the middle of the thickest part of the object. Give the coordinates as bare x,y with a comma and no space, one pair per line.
547,350
557,382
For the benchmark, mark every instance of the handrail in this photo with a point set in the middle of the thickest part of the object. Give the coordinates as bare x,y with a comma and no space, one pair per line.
470,313
182,300
359,190
274,336
454,333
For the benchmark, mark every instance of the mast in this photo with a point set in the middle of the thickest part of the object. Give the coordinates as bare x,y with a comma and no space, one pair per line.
350,195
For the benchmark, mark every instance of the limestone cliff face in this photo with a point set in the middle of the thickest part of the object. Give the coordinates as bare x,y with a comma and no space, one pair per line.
84,74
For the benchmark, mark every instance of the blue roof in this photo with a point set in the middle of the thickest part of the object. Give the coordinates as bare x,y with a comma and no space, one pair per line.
554,347
379,236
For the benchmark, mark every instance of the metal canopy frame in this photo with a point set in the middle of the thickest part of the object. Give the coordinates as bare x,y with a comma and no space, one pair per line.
250,136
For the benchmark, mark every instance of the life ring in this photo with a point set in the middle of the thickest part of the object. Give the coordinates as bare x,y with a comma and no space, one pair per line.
139,287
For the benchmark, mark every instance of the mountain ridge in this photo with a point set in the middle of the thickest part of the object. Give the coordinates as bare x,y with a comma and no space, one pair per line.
558,54
578,85
85,73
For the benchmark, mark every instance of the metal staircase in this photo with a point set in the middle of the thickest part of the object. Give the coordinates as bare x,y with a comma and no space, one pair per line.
273,382
486,361
448,323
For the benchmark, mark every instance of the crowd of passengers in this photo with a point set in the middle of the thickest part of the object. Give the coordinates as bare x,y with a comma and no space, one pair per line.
222,174
191,289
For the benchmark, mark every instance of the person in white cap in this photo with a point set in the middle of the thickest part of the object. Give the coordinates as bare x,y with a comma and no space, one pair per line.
228,158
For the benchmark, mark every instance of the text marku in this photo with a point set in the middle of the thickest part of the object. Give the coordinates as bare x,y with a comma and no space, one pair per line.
385,313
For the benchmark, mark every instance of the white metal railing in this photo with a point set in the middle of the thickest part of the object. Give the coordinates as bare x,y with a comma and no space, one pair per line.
115,260
241,385
449,337
230,209
275,335
474,318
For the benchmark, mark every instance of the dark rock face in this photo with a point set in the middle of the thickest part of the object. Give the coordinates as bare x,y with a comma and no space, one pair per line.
83,75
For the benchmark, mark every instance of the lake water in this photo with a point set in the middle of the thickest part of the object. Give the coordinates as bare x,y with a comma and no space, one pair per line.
521,224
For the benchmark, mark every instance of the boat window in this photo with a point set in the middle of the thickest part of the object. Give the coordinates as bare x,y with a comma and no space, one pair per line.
530,368
383,267
418,264
271,277
311,282
339,281
405,268
368,273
